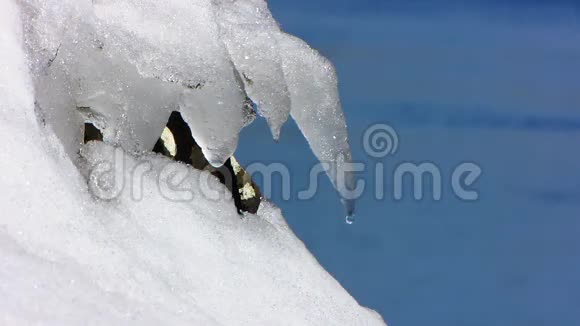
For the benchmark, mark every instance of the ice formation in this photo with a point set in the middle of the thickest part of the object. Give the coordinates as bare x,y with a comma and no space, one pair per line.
251,35
68,258
125,65
317,111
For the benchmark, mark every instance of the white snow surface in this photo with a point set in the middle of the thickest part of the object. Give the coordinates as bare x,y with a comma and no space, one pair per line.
149,254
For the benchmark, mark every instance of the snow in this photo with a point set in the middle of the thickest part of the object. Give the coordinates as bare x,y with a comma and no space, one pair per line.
15,84
148,250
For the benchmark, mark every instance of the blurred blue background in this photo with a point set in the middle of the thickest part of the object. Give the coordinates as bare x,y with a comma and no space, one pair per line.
497,83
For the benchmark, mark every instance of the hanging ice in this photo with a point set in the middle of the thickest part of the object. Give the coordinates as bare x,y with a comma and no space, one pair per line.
80,79
132,111
178,42
316,108
250,33
124,65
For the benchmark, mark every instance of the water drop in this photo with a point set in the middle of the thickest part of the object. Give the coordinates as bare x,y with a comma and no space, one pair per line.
350,219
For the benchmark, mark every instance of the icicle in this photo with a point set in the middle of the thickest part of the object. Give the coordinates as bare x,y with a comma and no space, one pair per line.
316,108
215,115
250,34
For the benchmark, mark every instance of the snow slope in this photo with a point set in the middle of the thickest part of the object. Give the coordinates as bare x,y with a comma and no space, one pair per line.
69,258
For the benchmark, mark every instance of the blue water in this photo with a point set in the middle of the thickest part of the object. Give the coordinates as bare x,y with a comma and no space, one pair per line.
495,84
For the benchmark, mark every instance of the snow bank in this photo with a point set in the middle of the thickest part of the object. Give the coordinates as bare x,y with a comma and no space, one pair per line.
67,257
